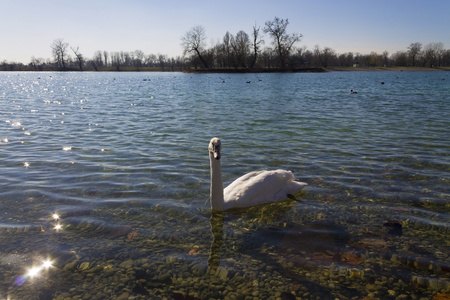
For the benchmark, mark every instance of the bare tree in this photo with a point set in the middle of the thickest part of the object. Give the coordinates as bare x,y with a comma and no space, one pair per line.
446,58
375,60
240,44
194,41
318,56
162,60
386,58
150,60
267,57
282,41
400,58
414,52
346,59
433,53
257,42
59,51
138,58
440,52
37,62
299,59
227,48
79,57
220,56
116,60
98,59
106,55
125,58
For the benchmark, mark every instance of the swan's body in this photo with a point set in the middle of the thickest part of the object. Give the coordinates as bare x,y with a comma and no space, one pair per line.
254,188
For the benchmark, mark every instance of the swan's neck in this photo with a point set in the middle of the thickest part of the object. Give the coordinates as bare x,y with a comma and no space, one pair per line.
216,192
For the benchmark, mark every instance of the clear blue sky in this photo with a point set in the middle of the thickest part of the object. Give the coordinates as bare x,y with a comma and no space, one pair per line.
28,27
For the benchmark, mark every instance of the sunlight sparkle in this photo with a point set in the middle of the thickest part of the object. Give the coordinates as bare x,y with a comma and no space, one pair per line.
34,271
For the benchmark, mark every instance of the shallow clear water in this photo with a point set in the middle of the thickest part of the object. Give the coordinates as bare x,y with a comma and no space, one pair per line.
122,159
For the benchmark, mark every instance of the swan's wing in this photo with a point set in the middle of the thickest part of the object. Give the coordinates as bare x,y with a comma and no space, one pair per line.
261,187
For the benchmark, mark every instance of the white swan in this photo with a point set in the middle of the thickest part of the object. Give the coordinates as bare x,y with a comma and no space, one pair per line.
252,189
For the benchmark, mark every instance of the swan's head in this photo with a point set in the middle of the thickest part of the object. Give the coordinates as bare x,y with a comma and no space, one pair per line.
215,146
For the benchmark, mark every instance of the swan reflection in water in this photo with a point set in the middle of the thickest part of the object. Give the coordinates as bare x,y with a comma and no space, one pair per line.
216,222
253,189
259,232
264,222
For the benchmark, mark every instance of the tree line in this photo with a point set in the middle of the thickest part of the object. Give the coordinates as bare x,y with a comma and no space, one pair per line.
246,51
104,60
241,51
68,58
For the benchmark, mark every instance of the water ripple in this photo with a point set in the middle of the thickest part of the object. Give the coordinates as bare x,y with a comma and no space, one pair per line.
120,158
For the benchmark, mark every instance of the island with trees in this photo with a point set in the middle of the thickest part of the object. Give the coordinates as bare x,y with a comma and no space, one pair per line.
241,52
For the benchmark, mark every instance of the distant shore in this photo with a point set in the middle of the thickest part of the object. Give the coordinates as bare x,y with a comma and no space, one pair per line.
236,71
256,70
398,69
316,70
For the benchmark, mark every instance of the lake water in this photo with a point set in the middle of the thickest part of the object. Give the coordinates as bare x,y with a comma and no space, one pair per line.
104,185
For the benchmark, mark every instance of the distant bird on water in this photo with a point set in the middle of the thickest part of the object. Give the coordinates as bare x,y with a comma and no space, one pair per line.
353,92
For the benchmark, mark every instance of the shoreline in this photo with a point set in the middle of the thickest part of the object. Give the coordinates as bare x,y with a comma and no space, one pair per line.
250,71
395,69
321,70
257,70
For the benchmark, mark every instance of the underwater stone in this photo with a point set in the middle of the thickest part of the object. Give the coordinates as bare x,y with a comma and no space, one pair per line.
124,296
199,269
444,284
84,266
70,265
434,284
126,264
222,273
354,273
